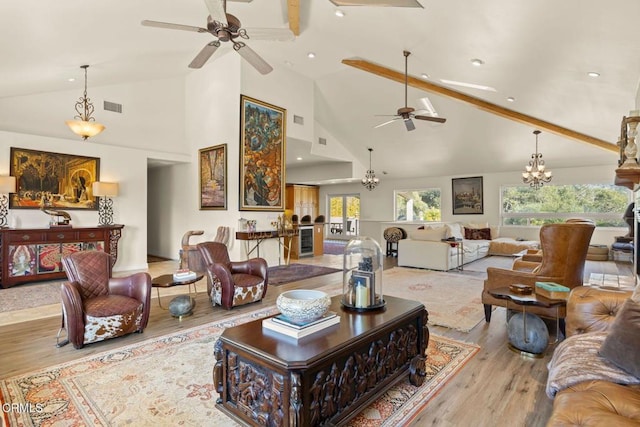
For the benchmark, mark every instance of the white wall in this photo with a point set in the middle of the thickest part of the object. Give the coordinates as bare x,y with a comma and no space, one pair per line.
377,206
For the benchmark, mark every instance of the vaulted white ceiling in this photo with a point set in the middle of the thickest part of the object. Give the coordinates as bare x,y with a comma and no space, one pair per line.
536,52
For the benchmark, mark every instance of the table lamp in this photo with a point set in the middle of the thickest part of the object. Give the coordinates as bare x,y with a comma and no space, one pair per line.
7,186
105,190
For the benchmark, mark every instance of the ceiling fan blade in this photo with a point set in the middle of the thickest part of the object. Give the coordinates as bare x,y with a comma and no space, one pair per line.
216,10
252,58
386,123
277,34
409,124
431,119
170,26
388,3
203,56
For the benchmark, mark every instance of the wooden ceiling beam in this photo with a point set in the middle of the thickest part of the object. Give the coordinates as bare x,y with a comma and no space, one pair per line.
293,9
390,74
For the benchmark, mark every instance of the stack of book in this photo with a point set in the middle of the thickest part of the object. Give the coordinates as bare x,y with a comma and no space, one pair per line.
283,325
184,275
552,290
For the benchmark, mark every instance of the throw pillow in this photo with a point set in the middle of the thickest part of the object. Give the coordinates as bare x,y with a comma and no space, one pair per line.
477,233
455,229
622,344
431,234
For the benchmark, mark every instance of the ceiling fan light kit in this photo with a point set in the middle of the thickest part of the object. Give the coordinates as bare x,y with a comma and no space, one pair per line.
84,125
227,28
535,173
370,181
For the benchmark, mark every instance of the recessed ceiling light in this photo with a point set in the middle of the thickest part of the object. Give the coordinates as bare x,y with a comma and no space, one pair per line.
593,74
477,62
298,158
469,85
424,75
511,99
311,55
71,79
339,13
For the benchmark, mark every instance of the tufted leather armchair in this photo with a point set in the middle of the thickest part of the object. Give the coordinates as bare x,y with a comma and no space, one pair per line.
96,306
233,283
564,251
596,402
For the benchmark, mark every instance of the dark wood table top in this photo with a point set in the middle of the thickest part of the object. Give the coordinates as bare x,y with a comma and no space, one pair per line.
531,299
291,353
167,281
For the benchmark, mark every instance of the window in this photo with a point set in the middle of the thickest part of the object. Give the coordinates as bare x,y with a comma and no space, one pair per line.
417,205
524,205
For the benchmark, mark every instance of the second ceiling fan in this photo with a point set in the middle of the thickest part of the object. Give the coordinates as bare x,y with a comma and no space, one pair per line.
407,113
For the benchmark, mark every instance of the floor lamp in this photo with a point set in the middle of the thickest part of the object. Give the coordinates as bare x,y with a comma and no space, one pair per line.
7,186
105,190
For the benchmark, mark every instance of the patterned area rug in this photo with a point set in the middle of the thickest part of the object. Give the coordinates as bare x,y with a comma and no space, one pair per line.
281,274
169,378
29,295
334,247
453,300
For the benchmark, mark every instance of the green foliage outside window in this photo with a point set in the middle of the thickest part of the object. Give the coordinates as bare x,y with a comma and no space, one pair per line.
605,204
425,205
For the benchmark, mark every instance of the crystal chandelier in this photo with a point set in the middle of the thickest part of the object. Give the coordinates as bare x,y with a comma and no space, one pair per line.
535,174
84,125
370,181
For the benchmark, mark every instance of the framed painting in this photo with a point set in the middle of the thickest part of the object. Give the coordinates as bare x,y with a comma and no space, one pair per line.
262,151
213,177
53,180
467,196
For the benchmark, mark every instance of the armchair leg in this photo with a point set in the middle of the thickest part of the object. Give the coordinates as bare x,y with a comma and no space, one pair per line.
487,312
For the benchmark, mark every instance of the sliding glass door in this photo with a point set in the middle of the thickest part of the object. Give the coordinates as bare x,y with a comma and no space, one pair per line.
344,216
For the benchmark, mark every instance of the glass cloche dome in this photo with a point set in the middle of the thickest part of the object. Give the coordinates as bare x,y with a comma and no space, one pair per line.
362,275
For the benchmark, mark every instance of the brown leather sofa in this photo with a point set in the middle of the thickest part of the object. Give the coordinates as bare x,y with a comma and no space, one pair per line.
564,251
595,403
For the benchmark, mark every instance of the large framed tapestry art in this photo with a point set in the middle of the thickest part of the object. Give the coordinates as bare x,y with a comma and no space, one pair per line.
213,177
53,180
262,151
467,196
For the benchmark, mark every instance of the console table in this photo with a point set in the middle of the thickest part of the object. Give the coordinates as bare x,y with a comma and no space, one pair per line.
33,254
265,378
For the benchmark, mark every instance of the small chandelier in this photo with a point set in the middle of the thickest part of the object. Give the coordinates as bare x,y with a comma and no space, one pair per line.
535,174
370,181
84,125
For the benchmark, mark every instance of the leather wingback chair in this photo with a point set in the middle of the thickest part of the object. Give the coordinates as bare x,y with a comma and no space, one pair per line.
233,283
564,251
96,306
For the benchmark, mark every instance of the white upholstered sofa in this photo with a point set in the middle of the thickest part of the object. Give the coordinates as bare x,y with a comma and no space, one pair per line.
424,247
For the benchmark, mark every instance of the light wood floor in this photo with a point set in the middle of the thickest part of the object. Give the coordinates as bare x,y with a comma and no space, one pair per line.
496,388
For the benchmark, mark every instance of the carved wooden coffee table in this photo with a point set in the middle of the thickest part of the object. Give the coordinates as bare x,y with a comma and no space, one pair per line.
265,378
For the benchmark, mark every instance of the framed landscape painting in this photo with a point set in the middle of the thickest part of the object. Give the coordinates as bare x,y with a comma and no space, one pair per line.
262,151
467,196
53,180
213,177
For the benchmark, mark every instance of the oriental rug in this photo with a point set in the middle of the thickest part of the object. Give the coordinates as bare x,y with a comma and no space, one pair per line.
168,381
281,274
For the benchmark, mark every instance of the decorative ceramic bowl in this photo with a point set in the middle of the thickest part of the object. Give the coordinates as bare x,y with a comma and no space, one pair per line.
302,305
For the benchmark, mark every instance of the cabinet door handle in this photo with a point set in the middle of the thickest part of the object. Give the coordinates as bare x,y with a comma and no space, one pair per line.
92,234
25,237
60,236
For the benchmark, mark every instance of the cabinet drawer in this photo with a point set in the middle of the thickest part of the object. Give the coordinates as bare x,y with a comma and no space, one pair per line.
91,235
60,236
27,237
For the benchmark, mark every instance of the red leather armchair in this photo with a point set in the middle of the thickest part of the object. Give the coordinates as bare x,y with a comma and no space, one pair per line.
564,251
233,283
96,306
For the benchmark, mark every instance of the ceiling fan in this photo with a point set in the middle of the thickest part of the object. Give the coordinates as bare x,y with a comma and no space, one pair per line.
226,27
407,113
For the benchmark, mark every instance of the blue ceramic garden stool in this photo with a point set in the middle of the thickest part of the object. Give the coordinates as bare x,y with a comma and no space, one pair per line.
528,334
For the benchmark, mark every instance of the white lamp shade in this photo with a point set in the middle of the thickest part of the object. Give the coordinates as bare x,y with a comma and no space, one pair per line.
108,189
7,184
